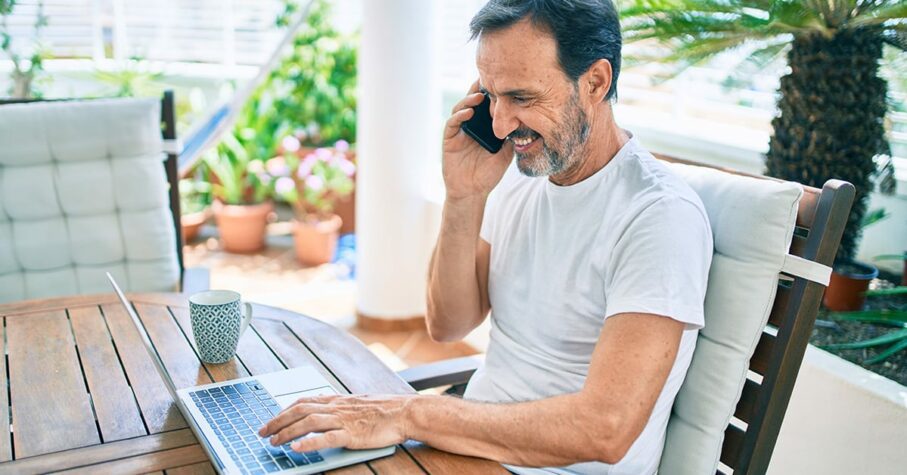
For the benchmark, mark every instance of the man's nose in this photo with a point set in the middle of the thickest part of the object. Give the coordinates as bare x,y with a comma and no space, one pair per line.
503,122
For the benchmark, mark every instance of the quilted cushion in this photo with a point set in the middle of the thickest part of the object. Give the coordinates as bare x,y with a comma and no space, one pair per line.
752,224
83,192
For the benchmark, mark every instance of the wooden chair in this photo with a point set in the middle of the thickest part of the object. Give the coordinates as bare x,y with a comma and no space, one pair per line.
750,435
193,279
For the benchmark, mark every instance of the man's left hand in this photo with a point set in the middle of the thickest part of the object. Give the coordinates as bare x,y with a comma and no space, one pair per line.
354,422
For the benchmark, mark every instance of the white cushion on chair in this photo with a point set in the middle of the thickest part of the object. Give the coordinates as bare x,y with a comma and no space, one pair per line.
83,191
752,223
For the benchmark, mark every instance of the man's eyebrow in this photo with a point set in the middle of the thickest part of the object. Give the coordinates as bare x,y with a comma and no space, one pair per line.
510,93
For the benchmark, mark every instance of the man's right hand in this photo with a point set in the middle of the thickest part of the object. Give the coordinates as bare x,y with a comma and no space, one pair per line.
469,169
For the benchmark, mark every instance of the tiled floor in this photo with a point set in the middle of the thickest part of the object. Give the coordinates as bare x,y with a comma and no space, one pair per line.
274,277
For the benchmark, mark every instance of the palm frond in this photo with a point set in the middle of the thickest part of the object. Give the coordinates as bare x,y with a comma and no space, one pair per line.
890,337
897,318
897,347
880,13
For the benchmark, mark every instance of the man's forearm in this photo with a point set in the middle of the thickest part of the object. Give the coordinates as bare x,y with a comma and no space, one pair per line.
555,431
454,299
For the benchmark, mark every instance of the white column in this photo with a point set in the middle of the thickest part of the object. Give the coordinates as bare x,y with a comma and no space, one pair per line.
399,133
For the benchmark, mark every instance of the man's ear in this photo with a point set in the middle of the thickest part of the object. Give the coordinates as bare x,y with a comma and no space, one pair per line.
597,80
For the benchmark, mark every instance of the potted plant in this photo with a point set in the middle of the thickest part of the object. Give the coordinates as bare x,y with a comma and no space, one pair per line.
242,190
24,71
850,278
313,185
832,102
195,202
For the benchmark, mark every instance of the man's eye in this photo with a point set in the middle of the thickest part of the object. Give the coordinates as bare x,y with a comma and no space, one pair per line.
520,100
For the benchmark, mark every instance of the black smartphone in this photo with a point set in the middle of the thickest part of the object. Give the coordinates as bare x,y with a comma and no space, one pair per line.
479,127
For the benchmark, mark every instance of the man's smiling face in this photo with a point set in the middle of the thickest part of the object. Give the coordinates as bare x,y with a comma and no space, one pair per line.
533,103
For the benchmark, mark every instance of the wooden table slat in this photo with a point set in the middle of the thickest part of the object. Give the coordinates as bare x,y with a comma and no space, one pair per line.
179,358
232,369
6,446
288,348
101,453
114,403
140,464
401,463
436,461
204,468
158,411
51,412
255,354
23,307
358,469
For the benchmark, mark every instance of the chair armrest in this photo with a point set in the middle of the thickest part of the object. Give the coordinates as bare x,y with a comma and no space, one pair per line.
196,279
441,373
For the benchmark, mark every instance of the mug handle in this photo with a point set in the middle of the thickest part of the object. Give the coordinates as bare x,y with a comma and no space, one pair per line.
246,318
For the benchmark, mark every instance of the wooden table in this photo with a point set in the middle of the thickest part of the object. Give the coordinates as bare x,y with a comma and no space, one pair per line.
85,396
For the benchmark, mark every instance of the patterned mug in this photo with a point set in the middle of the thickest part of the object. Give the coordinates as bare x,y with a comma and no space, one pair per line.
219,318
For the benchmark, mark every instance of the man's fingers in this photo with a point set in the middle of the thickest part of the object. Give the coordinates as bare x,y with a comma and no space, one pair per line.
287,417
474,87
471,100
454,122
329,439
306,425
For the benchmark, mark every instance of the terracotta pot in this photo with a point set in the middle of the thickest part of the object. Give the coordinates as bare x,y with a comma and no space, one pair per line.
346,209
316,239
849,281
242,227
191,223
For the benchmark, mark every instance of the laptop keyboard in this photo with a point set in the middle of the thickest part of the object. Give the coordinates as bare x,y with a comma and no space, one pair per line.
236,412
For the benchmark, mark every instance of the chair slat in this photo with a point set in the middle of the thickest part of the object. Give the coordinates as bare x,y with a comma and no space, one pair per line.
6,448
733,443
49,413
759,362
798,245
806,214
782,299
746,407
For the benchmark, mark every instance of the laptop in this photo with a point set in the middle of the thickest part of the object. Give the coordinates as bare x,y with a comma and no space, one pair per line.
226,416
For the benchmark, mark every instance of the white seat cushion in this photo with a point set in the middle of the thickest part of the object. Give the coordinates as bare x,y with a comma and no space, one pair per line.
752,223
83,191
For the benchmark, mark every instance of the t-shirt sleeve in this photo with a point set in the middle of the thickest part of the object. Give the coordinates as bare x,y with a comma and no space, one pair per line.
660,264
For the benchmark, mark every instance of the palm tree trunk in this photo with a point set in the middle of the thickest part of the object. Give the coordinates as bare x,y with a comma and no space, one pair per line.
832,108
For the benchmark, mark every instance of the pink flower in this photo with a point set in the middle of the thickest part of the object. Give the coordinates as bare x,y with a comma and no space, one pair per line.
347,167
323,154
290,144
342,146
284,185
314,183
277,166
305,167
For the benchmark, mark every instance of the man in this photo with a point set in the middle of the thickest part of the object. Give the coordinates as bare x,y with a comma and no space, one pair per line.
589,255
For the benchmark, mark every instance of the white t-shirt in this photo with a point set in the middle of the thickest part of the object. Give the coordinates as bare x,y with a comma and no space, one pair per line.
631,238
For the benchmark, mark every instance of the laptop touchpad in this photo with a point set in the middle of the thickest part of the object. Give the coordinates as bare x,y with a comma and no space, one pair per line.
284,400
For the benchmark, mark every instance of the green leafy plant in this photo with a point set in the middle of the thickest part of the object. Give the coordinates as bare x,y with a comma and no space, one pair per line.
24,70
832,102
314,183
896,340
239,179
311,94
195,195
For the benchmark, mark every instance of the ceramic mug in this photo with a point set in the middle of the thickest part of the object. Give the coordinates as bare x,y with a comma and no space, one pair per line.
218,318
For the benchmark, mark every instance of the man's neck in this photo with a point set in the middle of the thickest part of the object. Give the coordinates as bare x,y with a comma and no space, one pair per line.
604,141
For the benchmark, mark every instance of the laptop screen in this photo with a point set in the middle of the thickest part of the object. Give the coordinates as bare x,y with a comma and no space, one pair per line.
161,369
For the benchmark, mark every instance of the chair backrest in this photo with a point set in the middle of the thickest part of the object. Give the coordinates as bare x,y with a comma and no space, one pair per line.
82,191
774,245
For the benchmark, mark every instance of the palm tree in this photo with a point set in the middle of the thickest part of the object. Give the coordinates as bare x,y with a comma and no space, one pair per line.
832,101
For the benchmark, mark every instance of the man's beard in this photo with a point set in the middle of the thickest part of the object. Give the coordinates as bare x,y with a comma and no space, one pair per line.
562,150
